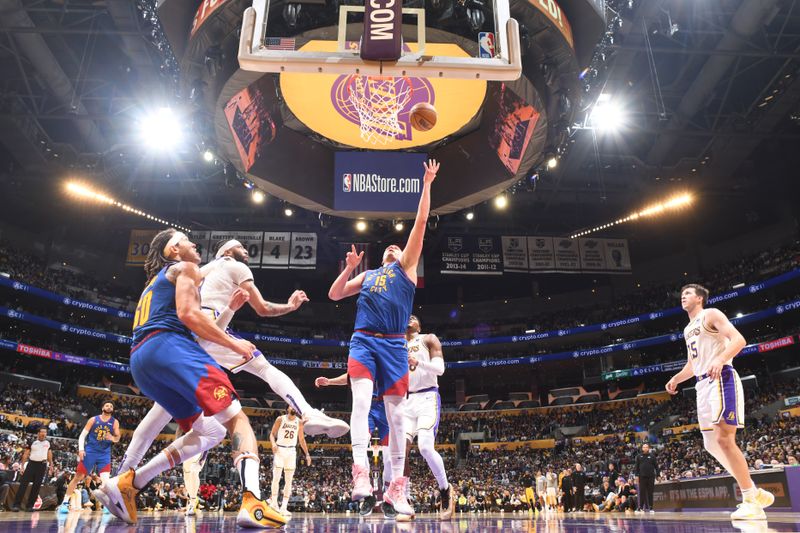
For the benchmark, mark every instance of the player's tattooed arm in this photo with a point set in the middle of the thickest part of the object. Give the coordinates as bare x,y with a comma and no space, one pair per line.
266,308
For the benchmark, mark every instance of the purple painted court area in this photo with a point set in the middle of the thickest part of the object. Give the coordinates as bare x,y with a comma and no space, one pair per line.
171,522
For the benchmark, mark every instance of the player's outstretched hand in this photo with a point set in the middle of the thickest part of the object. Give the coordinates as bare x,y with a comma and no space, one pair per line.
244,348
431,168
296,299
238,299
353,258
322,381
672,387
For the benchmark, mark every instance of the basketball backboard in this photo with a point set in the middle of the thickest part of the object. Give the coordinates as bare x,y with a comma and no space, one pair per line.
423,51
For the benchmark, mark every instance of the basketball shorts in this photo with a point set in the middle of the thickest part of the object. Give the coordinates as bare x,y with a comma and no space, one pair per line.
286,458
422,411
175,372
95,460
378,421
551,492
383,360
530,497
721,400
224,356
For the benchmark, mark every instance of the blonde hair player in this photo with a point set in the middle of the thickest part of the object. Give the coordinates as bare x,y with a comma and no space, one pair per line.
287,432
424,406
712,342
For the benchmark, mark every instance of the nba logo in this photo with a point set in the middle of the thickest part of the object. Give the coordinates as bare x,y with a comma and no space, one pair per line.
347,182
486,44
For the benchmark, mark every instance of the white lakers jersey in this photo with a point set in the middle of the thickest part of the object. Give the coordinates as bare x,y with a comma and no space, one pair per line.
418,378
288,432
702,343
220,278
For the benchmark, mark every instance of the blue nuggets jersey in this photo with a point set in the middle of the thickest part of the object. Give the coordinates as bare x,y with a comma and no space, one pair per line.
96,441
386,299
156,309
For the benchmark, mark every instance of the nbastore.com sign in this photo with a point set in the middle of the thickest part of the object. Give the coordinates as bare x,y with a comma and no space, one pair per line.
378,181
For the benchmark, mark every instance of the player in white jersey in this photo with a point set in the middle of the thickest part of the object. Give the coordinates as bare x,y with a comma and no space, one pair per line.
424,406
225,278
712,342
287,432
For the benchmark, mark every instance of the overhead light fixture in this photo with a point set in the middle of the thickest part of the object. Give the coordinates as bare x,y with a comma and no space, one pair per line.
208,156
399,225
501,201
361,226
288,212
607,115
676,202
87,192
470,215
258,196
552,162
160,129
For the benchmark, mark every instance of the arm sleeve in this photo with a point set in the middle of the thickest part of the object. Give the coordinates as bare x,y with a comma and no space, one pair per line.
82,440
435,366
224,318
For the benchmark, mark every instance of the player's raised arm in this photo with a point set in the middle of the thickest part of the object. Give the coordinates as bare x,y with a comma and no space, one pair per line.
187,303
342,288
413,249
266,308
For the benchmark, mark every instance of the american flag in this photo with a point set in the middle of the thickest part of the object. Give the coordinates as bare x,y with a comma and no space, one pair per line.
360,247
279,43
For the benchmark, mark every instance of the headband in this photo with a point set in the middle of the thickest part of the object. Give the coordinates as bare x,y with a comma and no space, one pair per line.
173,241
233,243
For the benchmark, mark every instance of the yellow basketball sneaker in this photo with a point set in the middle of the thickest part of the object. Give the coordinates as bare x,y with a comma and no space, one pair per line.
749,511
255,513
118,495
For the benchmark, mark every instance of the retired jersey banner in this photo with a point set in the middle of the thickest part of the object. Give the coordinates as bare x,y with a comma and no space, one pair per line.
139,246
251,240
304,251
378,181
472,254
200,239
277,246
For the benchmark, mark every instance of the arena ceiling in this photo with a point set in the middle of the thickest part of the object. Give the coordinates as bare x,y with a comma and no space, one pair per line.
711,92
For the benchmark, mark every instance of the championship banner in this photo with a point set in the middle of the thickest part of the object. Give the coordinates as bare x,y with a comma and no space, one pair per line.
251,240
593,256
471,254
567,254
277,246
139,246
515,254
378,181
304,251
541,255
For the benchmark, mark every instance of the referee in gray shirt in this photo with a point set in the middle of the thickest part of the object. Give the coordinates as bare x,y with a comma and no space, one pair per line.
39,456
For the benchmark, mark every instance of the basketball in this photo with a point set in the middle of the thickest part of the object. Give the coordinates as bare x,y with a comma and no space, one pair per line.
423,116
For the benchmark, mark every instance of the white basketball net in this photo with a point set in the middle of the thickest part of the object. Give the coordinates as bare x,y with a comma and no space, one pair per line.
378,101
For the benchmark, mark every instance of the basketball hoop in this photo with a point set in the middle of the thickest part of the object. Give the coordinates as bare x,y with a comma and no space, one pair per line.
378,101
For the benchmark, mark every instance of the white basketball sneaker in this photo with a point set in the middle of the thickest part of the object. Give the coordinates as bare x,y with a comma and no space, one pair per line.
764,498
315,422
749,511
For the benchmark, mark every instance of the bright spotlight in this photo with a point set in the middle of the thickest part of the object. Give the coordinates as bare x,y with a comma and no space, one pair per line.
607,116
160,129
501,201
208,156
361,226
399,226
470,215
552,162
258,196
288,212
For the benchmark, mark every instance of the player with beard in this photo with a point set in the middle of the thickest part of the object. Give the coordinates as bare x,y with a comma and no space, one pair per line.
225,280
94,450
378,357
424,406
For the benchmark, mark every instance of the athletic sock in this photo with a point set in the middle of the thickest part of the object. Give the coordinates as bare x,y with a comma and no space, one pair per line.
749,495
247,466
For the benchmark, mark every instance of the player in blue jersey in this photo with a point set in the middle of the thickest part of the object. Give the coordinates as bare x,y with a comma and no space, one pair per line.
174,371
378,353
94,450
